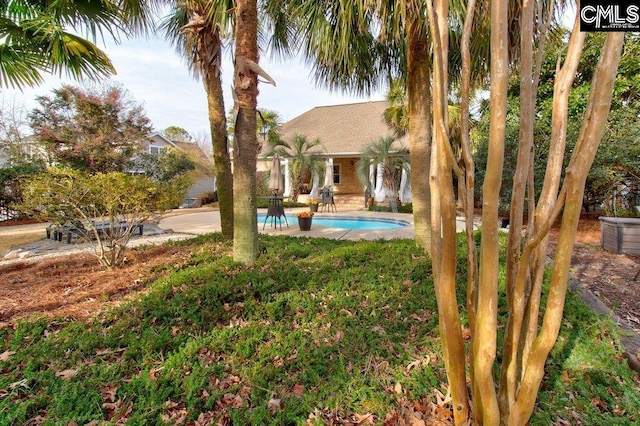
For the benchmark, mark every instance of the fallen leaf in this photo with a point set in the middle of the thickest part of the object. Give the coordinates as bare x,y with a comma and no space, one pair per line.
67,374
112,406
230,400
274,404
226,383
575,416
205,419
3,393
153,373
170,404
225,420
5,355
339,335
397,388
359,419
378,329
418,363
466,333
108,351
19,384
37,420
176,413
122,415
298,390
442,399
108,392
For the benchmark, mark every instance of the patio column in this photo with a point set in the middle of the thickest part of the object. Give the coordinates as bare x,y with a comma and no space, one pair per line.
405,188
372,177
380,192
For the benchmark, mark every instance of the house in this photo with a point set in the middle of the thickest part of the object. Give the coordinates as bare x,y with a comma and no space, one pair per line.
24,148
204,183
344,130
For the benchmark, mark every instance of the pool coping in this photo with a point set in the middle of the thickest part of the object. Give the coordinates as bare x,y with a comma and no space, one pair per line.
204,222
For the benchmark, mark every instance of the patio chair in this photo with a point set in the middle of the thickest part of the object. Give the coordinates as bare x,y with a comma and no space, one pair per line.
326,200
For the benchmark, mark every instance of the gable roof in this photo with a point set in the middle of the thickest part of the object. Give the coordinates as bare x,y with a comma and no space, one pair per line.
158,137
343,129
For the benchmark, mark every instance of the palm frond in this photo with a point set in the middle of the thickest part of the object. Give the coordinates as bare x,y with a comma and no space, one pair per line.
19,69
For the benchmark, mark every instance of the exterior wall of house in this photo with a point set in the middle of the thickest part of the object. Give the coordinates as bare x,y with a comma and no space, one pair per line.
349,180
156,143
202,185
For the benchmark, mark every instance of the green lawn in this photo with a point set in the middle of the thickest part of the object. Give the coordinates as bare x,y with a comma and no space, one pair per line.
319,331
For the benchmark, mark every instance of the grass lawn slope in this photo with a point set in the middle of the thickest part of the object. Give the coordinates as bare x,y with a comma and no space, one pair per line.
318,332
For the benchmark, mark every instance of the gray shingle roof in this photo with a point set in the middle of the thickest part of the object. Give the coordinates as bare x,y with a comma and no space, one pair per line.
343,129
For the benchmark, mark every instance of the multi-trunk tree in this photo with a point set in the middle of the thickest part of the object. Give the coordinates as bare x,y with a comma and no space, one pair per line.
349,50
529,335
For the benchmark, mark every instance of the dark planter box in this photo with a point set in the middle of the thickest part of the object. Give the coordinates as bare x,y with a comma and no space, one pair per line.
620,235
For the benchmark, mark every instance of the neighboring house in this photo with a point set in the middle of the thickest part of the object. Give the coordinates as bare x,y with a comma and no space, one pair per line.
344,130
25,148
155,144
204,175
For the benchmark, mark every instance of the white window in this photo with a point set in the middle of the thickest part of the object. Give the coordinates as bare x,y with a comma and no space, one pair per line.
337,173
157,150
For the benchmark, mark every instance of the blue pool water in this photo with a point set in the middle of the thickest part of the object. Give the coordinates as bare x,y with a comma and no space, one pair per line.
348,222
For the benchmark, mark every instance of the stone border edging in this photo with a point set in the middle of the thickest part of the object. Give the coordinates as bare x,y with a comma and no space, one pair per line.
628,337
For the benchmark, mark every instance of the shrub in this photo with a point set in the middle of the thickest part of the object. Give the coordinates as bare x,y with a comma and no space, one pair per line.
107,207
209,197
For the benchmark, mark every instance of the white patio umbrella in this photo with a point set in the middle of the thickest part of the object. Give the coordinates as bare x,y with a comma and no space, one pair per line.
328,175
276,178
314,187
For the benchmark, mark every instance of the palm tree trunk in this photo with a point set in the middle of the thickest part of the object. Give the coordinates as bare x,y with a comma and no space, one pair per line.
245,235
419,104
221,157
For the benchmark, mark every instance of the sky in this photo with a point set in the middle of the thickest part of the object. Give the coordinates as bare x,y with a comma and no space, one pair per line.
158,78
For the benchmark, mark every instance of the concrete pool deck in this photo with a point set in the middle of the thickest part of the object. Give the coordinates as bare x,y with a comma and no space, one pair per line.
209,221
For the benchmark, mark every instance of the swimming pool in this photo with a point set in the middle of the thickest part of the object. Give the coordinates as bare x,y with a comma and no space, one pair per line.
350,222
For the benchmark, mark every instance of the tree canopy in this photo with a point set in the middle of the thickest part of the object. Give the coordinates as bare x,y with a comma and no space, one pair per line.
93,130
614,174
177,133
